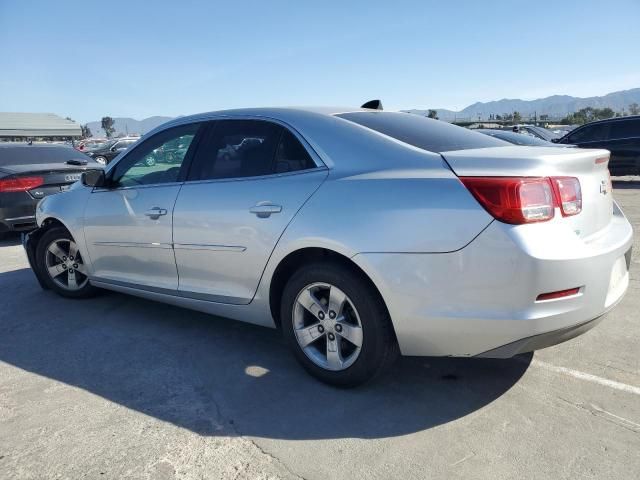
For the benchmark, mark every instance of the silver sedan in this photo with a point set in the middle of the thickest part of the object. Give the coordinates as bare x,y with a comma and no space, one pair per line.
359,233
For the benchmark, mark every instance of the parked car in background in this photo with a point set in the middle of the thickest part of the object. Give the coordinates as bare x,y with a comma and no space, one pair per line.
106,152
539,132
90,144
621,136
29,173
518,138
346,229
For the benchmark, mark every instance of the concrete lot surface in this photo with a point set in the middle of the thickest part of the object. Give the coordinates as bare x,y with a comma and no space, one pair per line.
118,387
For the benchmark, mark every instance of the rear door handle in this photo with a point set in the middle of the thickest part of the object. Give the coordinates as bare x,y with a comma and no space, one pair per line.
264,210
155,213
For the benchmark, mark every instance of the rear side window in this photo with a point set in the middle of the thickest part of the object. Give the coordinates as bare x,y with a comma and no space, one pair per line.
291,156
625,129
428,134
248,148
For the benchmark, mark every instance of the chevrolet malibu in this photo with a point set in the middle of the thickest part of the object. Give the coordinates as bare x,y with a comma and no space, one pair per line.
359,233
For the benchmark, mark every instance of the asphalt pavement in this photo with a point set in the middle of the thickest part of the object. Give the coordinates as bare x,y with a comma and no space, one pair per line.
118,387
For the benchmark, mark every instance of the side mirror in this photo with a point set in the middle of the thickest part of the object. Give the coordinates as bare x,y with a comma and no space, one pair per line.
93,178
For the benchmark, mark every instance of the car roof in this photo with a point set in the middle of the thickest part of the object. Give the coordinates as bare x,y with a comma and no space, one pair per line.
614,119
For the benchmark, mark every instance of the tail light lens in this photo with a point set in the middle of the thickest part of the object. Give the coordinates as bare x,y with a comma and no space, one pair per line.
519,200
569,195
514,200
20,184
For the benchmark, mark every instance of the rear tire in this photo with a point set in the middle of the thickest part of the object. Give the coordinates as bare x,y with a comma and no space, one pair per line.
343,346
61,266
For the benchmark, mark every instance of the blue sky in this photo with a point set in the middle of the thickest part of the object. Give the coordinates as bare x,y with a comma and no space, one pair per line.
87,59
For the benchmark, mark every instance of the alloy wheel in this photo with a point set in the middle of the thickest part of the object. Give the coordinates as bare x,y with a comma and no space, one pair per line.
327,326
65,265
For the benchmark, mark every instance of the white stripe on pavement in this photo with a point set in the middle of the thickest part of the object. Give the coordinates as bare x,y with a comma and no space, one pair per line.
588,377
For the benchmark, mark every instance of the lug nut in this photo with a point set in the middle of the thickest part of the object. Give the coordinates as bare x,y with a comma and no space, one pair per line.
332,337
321,315
332,314
75,265
71,258
71,270
320,328
64,259
338,328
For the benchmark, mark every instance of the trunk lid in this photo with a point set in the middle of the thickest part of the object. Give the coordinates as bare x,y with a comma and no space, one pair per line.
589,166
57,177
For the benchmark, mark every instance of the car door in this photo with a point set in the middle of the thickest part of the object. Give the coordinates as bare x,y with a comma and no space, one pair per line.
128,225
248,180
624,144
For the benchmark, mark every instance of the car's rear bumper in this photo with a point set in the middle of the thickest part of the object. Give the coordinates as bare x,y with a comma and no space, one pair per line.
17,212
482,299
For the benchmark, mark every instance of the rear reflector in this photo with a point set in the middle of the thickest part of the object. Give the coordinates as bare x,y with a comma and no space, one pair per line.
558,294
514,200
20,184
568,194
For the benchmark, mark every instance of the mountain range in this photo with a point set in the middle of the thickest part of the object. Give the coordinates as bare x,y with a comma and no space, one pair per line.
130,126
556,106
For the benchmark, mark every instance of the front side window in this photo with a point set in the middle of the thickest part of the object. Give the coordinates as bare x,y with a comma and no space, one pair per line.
590,133
237,148
157,160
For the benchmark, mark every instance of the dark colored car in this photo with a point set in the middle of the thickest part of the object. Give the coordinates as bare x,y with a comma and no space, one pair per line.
110,150
518,138
621,136
29,173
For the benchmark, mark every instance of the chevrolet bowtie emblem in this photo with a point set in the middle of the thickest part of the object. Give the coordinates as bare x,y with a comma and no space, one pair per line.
603,187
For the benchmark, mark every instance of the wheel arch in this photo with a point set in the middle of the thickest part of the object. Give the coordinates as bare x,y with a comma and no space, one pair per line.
296,259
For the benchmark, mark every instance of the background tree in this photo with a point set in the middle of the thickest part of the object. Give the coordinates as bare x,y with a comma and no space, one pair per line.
588,114
107,126
634,109
432,114
517,118
86,131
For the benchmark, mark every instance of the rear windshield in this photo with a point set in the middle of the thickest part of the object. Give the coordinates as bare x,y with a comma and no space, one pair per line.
422,132
39,154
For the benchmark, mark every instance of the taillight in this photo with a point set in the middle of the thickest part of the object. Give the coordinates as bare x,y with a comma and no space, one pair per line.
569,195
20,184
519,200
514,200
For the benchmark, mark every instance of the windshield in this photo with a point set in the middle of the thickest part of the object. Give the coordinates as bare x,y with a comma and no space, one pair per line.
544,133
100,146
517,138
426,133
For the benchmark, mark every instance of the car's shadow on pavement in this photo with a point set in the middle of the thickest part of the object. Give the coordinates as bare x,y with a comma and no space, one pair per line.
219,377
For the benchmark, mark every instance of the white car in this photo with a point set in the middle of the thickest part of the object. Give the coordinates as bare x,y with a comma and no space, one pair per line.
359,233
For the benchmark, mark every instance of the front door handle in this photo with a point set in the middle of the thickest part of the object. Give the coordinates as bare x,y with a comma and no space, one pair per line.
155,213
264,210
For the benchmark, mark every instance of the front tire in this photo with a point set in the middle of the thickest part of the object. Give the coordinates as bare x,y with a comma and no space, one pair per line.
337,325
61,265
